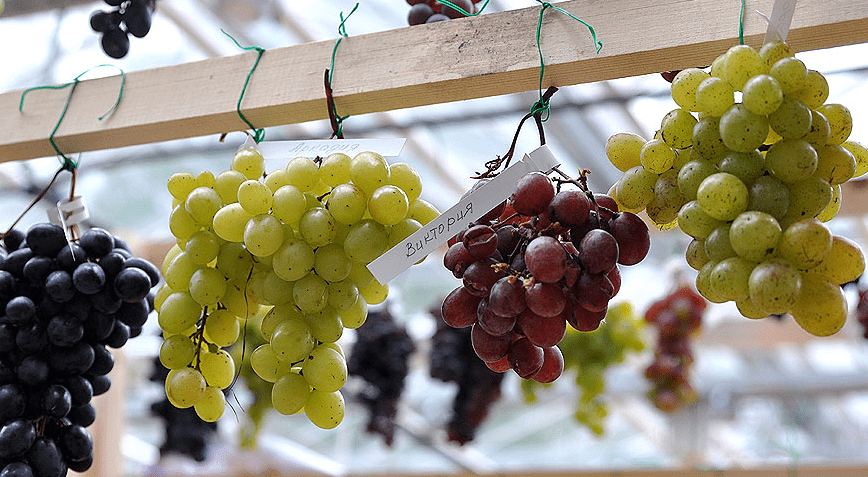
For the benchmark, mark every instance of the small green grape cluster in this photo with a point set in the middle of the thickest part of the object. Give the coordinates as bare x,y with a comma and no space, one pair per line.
590,354
752,182
290,247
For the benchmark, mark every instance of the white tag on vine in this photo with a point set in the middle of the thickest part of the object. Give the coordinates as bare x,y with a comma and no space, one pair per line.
287,150
478,203
780,20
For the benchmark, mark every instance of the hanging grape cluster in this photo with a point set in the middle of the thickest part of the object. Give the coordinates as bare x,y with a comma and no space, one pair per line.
452,360
677,317
589,355
185,433
752,182
546,258
381,356
430,11
64,304
130,17
293,246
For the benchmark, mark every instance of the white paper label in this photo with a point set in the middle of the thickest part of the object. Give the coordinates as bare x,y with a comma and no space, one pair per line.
780,20
447,225
287,150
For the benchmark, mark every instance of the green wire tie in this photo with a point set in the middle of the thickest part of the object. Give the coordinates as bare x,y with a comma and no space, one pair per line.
342,32
67,163
258,133
464,12
741,23
542,106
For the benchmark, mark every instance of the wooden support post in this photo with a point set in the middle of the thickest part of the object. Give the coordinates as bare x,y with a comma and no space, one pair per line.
492,54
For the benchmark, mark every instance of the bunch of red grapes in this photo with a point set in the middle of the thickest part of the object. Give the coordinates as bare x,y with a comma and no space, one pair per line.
677,318
430,11
538,261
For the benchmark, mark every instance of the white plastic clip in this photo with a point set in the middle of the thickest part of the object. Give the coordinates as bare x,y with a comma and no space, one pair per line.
72,212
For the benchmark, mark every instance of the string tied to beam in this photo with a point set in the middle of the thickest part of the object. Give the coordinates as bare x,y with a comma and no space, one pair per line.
258,133
541,109
336,119
67,163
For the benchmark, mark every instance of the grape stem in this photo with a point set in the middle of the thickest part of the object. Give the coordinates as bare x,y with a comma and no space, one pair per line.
64,167
330,104
536,113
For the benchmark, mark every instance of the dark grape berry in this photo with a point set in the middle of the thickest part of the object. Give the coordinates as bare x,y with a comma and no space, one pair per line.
437,17
12,402
76,443
419,14
533,194
46,239
132,284
137,18
115,43
45,458
453,13
59,287
56,401
102,22
97,242
16,437
17,469
88,278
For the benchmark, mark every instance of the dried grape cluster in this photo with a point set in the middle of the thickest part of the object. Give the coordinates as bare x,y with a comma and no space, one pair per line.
185,432
452,360
130,17
677,318
546,258
589,355
430,11
64,304
381,356
752,182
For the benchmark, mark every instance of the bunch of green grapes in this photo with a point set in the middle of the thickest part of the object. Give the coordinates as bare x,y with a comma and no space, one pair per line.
590,354
752,182
292,245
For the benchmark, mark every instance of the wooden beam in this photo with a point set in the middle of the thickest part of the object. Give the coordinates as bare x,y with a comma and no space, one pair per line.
489,55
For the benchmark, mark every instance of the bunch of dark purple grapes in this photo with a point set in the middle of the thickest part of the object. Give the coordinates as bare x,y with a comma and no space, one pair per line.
380,356
63,304
130,17
452,360
677,317
533,264
430,11
186,433
862,311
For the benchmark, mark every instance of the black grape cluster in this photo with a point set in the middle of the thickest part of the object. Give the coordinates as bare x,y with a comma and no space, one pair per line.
186,432
541,260
64,304
430,11
380,356
453,360
130,17
677,317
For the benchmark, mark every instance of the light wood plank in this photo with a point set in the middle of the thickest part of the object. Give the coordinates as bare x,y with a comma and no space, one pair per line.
489,55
